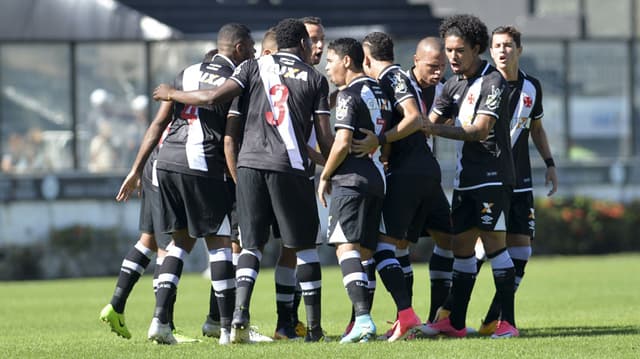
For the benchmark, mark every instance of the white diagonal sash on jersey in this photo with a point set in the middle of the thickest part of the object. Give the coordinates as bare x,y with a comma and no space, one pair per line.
522,114
375,112
194,146
270,74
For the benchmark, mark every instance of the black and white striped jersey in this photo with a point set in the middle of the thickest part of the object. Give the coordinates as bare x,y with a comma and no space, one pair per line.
194,142
412,154
362,104
487,162
525,102
280,95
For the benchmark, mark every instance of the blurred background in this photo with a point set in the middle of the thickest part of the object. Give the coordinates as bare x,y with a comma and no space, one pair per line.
76,75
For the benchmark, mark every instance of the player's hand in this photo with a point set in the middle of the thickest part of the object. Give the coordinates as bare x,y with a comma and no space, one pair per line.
130,184
324,186
162,93
552,177
366,145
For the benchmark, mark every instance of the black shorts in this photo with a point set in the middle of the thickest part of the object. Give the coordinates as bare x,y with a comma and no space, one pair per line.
264,196
412,202
200,204
354,218
151,213
485,208
522,219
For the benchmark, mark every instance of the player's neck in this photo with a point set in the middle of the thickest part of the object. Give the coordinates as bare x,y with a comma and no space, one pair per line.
510,73
352,75
378,66
473,70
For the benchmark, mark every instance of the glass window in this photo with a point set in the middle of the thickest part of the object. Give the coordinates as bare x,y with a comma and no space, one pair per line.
169,58
112,104
608,18
544,61
35,107
599,100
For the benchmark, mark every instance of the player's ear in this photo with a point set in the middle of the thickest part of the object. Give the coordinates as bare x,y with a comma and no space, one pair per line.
347,61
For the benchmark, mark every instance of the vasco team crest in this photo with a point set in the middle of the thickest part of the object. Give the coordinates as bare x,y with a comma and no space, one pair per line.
398,83
493,100
342,108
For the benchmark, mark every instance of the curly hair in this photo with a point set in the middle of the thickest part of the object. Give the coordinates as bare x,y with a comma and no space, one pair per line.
380,46
289,33
468,27
348,47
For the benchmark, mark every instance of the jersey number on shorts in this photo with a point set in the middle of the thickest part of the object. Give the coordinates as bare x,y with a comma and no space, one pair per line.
279,94
189,113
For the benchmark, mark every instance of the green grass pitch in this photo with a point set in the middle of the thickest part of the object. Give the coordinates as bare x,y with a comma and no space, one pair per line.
566,307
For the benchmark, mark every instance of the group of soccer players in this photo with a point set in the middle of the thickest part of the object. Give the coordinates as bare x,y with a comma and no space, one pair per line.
235,131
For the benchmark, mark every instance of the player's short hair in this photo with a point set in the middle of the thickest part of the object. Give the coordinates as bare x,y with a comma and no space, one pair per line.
380,46
509,30
289,33
269,38
312,20
347,46
209,55
233,33
468,27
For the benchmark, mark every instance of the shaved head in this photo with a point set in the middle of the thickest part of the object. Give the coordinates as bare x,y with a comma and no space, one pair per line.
429,61
427,44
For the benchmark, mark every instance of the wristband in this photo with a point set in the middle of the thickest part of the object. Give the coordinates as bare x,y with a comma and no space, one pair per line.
382,139
549,162
169,96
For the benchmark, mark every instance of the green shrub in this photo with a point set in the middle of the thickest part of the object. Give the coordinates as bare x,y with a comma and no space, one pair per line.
582,225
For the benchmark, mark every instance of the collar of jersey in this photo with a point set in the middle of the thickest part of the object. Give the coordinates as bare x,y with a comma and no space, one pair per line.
387,69
484,66
233,66
289,55
359,79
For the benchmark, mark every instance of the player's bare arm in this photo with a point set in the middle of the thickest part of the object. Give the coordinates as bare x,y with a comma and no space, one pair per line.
410,123
477,131
539,138
324,135
232,134
149,142
339,152
225,93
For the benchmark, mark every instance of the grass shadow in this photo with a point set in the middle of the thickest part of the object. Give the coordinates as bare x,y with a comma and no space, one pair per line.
544,332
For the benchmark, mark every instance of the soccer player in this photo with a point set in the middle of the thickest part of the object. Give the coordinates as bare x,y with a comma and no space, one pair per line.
356,184
410,161
315,30
288,292
140,255
475,96
426,75
279,95
194,195
525,99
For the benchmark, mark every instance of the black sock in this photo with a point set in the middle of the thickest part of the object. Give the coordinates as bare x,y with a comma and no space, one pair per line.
504,275
309,275
407,270
168,280
223,284
391,275
464,278
356,284
133,265
246,274
285,280
440,274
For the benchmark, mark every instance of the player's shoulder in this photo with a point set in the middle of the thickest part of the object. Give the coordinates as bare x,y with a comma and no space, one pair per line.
534,80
